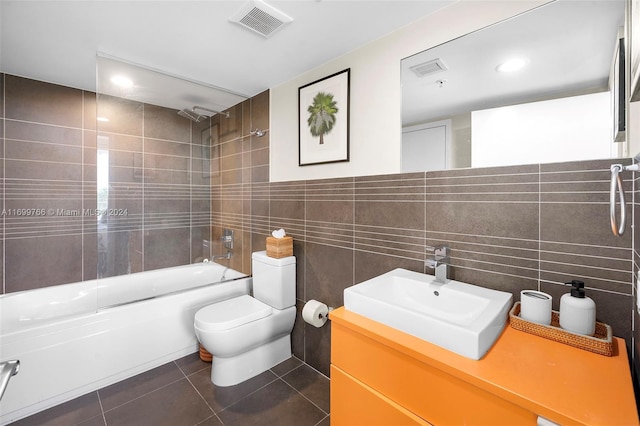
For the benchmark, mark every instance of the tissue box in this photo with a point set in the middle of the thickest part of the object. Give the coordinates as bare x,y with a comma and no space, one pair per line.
279,247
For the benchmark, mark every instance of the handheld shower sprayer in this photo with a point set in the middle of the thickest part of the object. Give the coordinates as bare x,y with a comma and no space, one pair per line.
616,184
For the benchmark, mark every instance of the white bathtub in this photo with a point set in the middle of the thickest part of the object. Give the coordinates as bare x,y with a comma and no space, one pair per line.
77,338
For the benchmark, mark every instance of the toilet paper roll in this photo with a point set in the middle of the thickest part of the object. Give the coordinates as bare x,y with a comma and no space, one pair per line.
315,313
535,306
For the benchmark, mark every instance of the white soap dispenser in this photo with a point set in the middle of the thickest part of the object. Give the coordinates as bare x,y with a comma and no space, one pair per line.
577,311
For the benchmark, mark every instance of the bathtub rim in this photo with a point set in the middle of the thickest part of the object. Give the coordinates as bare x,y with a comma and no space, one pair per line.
85,297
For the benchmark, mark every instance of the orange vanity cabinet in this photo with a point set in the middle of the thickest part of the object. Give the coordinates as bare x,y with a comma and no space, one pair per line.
381,376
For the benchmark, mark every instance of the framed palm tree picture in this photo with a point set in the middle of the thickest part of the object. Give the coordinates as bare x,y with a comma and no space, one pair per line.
323,120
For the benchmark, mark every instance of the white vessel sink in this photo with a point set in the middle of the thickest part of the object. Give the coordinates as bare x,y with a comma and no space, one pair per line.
463,318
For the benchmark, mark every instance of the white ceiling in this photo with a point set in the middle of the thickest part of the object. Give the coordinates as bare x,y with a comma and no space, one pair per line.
57,41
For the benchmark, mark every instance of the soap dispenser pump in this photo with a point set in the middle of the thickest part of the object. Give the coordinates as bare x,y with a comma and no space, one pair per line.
577,311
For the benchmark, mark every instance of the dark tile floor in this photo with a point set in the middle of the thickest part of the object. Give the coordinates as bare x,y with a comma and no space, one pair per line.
181,393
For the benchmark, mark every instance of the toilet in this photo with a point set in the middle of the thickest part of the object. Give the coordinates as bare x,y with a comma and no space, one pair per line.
248,335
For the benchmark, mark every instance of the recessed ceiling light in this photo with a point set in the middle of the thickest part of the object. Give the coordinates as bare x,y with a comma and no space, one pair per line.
103,119
122,81
512,65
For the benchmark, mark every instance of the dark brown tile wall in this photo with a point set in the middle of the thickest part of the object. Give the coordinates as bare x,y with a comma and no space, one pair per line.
509,228
44,147
50,141
239,187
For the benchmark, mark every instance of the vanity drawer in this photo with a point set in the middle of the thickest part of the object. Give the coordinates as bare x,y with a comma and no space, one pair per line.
432,394
354,403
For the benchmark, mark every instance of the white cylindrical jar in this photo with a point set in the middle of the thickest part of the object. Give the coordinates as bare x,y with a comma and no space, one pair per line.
577,311
535,306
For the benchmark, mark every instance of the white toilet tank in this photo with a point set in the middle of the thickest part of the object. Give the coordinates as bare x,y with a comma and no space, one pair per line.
274,280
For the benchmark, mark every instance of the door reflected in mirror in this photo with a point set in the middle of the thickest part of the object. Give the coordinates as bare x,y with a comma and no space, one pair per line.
536,88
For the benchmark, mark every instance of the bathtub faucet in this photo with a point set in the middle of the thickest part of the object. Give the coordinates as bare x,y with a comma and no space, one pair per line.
227,242
7,369
226,256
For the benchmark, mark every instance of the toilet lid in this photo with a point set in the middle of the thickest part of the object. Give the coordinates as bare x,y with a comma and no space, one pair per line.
231,313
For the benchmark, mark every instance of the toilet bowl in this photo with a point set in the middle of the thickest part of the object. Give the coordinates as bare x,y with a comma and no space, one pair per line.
248,335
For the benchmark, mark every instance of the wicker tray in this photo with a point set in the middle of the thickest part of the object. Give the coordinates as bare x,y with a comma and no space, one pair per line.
601,342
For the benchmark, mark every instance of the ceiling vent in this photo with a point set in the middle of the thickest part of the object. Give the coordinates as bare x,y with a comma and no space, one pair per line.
428,68
260,17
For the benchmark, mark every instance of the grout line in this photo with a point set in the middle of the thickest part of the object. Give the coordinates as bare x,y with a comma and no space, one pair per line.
214,414
561,284
210,417
539,287
303,395
322,420
318,371
353,234
495,202
144,394
276,378
289,371
40,123
584,266
104,418
305,364
194,372
190,175
46,161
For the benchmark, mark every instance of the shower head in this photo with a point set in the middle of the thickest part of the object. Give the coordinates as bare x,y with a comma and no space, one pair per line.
226,114
192,115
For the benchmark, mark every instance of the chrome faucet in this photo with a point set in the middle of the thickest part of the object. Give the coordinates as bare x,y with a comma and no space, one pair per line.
226,256
227,242
7,369
227,239
439,262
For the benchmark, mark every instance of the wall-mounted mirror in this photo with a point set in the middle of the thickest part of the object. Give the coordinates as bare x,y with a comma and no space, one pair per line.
536,88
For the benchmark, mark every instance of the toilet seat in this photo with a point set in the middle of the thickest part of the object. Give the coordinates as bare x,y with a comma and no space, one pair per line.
231,313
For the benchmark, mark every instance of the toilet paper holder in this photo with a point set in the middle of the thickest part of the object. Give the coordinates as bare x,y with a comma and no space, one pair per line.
323,315
315,313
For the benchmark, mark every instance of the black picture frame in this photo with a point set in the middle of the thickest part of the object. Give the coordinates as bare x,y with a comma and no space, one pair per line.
323,120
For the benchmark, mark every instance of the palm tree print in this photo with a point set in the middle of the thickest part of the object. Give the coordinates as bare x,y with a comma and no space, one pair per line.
322,115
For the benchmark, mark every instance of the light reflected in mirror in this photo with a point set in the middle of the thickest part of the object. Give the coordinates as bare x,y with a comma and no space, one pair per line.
552,103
